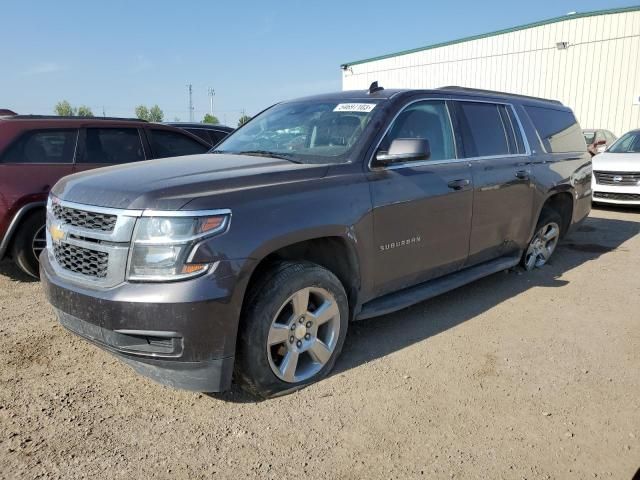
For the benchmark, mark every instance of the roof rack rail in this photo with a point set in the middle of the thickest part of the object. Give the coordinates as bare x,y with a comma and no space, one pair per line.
64,117
495,92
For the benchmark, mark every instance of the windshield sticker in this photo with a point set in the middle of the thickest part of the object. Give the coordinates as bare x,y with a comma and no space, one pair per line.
354,107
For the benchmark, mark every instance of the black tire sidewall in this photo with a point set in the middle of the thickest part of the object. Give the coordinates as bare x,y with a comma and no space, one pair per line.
253,370
22,245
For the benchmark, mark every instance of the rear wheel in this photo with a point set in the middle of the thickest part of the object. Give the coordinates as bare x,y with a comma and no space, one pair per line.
544,241
292,330
29,242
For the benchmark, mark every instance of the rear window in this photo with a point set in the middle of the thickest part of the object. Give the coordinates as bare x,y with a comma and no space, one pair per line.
558,129
43,146
165,143
486,130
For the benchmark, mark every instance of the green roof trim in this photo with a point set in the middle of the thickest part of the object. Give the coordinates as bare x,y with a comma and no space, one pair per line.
497,32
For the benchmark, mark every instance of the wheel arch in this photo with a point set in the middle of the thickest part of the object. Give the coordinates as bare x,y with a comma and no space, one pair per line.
561,201
22,213
336,252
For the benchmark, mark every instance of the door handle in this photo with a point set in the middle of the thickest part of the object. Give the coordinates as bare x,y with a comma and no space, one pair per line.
522,174
459,184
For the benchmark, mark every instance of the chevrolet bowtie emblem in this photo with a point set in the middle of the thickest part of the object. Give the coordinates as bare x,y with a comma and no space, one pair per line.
56,232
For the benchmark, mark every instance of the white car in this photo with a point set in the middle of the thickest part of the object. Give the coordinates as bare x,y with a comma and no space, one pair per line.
616,172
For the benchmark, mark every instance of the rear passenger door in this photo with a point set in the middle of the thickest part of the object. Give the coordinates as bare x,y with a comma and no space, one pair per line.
496,148
104,146
422,209
168,143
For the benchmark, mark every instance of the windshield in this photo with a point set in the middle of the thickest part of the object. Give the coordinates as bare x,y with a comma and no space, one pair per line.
305,132
628,143
589,137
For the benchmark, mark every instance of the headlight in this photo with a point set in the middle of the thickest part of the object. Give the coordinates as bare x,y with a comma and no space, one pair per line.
162,245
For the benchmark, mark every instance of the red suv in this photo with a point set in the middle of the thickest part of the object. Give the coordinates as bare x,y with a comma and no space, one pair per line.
36,151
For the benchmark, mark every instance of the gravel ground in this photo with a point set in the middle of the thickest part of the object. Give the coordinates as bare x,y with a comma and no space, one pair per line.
519,375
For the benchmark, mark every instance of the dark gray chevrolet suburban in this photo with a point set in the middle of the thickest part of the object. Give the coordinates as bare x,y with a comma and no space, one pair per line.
251,260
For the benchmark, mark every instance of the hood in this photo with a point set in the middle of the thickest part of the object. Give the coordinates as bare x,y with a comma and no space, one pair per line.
616,162
171,183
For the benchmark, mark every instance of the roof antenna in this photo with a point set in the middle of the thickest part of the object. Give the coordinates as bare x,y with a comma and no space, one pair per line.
373,88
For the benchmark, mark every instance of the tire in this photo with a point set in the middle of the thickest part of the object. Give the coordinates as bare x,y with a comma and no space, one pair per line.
28,242
295,320
545,240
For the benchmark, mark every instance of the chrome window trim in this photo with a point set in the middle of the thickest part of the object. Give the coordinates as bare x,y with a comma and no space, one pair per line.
527,147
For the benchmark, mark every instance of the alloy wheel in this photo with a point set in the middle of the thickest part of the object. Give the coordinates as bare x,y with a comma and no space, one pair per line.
542,246
303,334
39,242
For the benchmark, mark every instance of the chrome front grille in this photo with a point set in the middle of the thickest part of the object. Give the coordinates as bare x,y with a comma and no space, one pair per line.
84,219
81,260
622,179
89,245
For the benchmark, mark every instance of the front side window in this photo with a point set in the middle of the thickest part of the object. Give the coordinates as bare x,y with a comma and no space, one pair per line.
112,145
486,130
43,146
321,131
166,143
628,143
558,129
427,120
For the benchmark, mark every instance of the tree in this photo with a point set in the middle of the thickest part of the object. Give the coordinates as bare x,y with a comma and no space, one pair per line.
156,114
243,119
208,118
142,112
64,109
153,114
84,111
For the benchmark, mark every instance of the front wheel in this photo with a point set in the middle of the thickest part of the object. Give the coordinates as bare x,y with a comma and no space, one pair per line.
544,241
29,242
292,329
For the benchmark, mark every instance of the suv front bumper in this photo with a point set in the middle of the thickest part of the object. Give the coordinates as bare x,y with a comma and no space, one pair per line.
179,334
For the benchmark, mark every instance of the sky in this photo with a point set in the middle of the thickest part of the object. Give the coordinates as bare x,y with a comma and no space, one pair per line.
116,54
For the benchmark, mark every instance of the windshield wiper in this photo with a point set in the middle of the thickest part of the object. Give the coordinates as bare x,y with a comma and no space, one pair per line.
266,153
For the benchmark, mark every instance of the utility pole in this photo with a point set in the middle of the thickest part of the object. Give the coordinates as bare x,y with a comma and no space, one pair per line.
212,93
190,88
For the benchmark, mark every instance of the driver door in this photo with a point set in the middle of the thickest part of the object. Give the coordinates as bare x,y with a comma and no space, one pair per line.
422,209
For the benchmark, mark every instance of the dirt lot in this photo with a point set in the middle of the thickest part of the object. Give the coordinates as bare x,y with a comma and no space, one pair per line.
516,376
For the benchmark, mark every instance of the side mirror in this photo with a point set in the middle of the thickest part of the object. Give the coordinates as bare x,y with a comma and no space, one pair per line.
404,150
601,142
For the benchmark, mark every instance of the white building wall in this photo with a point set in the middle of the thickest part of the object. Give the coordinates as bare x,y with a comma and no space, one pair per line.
598,76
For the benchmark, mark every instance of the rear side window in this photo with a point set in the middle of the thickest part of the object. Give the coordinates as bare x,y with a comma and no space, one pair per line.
202,133
486,130
43,146
217,136
558,129
112,145
165,143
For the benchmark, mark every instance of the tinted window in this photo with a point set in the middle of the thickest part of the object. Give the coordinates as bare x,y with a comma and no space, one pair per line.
43,146
558,129
484,132
217,136
165,143
428,120
112,145
202,133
